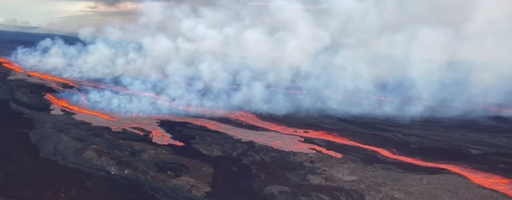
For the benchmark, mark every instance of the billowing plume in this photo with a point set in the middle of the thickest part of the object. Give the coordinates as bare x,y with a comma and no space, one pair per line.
343,57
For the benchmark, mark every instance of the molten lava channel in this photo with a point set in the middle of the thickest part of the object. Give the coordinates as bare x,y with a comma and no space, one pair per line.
117,123
289,139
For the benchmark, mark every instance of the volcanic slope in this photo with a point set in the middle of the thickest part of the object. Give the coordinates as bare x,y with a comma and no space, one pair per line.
271,162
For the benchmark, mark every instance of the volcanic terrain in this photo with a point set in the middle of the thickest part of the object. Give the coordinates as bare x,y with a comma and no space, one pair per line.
53,148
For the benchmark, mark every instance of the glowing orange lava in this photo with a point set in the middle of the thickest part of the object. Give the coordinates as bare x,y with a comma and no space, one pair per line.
51,78
116,123
273,139
67,105
484,179
8,64
295,144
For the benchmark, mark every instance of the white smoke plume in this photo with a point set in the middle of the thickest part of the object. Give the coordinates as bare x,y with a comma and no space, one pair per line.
454,54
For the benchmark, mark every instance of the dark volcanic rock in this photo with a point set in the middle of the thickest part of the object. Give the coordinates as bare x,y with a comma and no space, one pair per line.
24,175
119,154
215,166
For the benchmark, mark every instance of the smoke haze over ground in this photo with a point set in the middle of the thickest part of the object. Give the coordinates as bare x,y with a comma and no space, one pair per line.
341,53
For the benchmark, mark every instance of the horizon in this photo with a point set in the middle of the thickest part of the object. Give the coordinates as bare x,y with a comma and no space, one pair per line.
62,15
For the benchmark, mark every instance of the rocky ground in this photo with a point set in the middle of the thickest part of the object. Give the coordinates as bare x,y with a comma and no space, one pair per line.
215,166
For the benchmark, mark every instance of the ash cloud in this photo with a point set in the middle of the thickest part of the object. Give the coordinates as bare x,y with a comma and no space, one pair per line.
345,55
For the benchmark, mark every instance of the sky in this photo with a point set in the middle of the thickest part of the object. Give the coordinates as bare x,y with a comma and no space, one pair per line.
70,16
62,15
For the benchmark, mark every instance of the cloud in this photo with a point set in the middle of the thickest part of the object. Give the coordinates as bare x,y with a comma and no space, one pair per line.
15,22
112,2
344,54
106,2
117,2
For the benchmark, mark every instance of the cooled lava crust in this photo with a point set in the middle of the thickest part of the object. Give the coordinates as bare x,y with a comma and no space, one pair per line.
212,165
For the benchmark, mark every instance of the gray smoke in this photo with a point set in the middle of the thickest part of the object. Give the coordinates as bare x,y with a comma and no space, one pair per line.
345,54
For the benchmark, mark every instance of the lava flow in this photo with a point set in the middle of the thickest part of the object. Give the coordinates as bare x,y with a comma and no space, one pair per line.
275,140
65,104
115,123
485,179
10,65
283,142
291,140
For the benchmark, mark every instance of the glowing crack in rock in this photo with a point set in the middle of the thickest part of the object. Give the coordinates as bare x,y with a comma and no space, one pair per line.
291,140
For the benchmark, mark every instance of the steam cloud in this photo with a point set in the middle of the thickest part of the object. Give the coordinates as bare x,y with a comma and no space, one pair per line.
454,53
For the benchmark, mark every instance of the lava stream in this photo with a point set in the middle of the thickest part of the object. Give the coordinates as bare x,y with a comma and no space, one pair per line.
115,123
10,65
277,141
484,179
65,104
272,139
